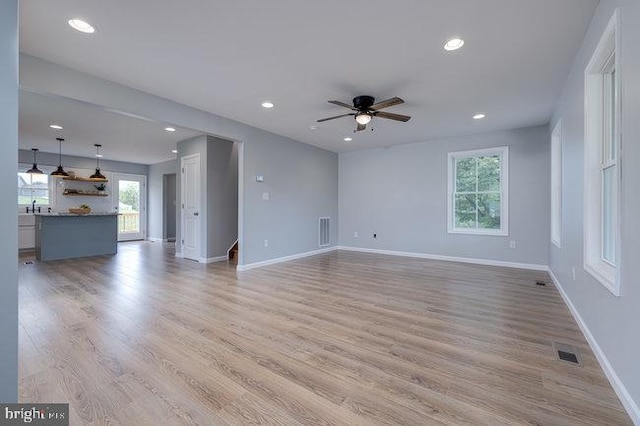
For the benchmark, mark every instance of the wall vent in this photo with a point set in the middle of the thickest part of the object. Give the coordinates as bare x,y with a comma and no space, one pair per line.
324,231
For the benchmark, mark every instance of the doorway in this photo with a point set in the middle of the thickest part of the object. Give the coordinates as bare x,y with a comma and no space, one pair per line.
130,199
169,206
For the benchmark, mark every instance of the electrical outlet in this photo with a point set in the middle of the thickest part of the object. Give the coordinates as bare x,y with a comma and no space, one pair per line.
266,243
573,273
512,244
356,234
375,236
265,196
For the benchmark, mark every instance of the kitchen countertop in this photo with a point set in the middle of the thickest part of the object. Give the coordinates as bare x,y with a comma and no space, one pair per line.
74,214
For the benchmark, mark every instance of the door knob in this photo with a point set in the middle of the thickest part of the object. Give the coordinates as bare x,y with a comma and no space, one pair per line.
195,214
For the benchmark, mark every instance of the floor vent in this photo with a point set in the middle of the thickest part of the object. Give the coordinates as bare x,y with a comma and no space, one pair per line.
541,283
324,231
28,262
566,353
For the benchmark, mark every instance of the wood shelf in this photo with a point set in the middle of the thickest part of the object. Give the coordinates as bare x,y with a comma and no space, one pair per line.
85,194
81,179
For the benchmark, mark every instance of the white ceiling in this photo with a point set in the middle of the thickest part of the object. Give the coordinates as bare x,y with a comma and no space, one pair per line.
226,57
123,138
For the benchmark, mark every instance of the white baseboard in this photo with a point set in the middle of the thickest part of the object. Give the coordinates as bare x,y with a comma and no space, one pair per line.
156,240
624,396
213,259
179,255
488,262
284,259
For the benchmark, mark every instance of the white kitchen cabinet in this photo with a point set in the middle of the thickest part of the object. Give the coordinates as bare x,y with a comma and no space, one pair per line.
26,231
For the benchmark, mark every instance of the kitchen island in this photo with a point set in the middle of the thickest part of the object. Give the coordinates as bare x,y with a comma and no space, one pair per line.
66,235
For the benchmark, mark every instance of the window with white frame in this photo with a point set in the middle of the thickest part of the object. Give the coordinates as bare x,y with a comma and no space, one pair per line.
33,186
478,192
556,184
601,165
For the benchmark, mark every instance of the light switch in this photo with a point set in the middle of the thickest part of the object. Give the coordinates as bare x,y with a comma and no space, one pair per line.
259,178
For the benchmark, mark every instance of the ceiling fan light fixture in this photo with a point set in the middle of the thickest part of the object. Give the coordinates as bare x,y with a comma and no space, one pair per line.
454,44
363,118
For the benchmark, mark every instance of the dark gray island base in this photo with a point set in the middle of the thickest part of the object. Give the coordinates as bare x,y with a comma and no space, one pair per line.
65,236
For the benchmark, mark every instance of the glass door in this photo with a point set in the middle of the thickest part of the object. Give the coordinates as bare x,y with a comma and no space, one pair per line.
130,198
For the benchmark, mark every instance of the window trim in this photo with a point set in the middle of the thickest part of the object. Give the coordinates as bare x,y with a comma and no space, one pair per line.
503,152
22,167
556,184
603,271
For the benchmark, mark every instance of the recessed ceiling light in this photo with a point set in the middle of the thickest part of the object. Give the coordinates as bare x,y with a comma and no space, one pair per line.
82,26
56,126
454,44
267,105
174,151
348,139
479,116
170,129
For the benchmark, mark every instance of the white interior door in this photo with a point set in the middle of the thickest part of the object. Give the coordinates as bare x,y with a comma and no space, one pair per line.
191,219
130,201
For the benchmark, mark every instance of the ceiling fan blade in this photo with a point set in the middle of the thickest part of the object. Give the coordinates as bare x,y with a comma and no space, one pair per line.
387,103
333,118
392,116
361,127
342,104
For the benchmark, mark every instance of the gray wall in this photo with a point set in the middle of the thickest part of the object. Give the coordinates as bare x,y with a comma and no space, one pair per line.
296,171
613,321
302,183
222,195
156,208
8,216
400,193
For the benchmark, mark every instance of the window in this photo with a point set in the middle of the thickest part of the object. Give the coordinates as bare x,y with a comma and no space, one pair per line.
556,183
478,191
33,186
601,165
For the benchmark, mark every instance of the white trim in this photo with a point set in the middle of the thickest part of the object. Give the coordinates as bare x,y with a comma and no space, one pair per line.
604,272
179,255
556,184
486,262
231,247
157,240
284,259
503,152
213,259
619,388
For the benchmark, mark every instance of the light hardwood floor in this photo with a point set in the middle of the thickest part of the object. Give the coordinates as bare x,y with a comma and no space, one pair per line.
143,338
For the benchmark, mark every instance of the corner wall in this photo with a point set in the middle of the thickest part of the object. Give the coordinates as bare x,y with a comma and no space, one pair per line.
8,214
155,210
400,194
610,322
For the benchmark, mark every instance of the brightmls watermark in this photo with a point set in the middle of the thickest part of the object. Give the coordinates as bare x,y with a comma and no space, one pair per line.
34,414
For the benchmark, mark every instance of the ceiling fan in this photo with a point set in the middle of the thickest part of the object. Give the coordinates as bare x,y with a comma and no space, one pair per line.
365,109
